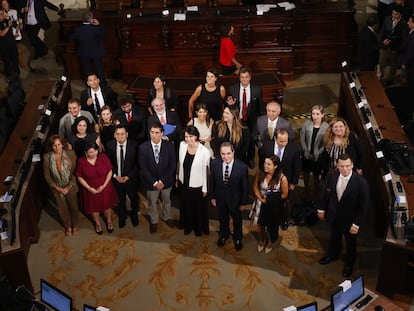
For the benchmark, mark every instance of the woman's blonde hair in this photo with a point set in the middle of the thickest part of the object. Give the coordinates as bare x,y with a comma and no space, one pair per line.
236,127
330,136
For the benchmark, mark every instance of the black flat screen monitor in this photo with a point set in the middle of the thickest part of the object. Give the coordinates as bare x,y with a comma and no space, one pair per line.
88,308
308,307
341,300
54,297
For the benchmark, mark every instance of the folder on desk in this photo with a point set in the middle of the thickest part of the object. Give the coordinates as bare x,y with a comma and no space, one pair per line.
169,129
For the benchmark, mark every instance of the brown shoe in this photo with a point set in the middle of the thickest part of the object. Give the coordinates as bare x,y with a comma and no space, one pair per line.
153,228
170,223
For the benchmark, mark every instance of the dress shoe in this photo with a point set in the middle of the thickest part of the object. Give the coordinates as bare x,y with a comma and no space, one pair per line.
110,227
347,271
170,223
325,260
237,245
260,248
121,223
221,242
98,229
153,228
285,225
134,219
268,249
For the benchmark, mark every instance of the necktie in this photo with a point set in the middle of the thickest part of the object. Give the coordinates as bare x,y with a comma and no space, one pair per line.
121,160
129,118
226,175
244,107
341,187
279,153
271,130
97,106
162,120
156,154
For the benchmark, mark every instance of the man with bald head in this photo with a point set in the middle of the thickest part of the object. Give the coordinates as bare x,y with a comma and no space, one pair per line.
267,126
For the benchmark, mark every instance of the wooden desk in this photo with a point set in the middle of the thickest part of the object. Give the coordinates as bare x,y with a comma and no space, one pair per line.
396,273
310,38
24,211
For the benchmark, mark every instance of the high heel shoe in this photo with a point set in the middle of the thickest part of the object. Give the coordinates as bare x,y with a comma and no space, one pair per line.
68,231
110,227
260,248
98,229
268,249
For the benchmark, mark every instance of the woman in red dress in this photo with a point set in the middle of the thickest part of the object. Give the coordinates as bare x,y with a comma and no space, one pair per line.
94,173
228,61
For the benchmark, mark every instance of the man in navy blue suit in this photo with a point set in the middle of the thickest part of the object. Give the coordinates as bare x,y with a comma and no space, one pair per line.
35,19
90,43
344,203
123,154
229,191
157,162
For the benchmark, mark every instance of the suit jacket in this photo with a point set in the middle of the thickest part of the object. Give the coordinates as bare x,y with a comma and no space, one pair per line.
90,40
171,118
306,139
130,158
108,94
150,171
368,49
352,207
40,13
199,167
236,192
407,48
262,134
394,35
256,106
291,162
137,128
65,123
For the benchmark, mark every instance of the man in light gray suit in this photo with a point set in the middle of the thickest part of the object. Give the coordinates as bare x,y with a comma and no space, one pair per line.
74,111
267,126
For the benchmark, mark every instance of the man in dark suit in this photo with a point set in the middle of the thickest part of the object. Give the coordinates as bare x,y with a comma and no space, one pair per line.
157,162
95,96
123,153
344,200
134,116
369,45
407,55
289,155
229,192
90,43
36,19
267,126
248,97
169,119
8,47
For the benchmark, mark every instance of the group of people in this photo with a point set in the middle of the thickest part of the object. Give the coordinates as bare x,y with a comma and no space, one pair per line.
387,41
109,146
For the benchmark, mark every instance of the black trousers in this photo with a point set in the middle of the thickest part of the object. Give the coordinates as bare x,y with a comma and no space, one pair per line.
335,243
224,217
193,211
39,46
130,189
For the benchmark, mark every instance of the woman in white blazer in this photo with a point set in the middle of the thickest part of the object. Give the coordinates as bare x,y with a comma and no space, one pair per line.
193,166
312,141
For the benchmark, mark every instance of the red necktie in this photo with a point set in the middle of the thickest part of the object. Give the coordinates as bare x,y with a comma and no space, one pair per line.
129,117
244,107
162,120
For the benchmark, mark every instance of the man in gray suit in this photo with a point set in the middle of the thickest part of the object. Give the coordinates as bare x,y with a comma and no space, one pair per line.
74,111
267,126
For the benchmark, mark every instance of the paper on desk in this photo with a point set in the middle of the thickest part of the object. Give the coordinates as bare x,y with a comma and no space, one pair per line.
192,8
8,179
265,7
6,198
179,17
287,5
36,157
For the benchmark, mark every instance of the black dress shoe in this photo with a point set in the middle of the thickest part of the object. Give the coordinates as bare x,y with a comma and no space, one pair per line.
170,223
221,242
121,223
325,260
285,225
134,219
237,245
347,271
153,228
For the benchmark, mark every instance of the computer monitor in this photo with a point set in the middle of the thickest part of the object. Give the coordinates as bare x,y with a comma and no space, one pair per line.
54,297
88,308
341,300
313,306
